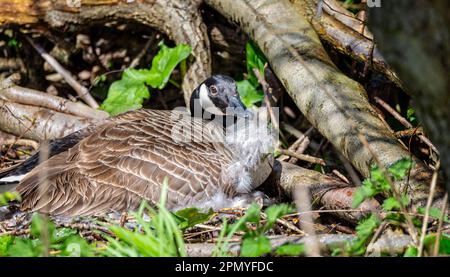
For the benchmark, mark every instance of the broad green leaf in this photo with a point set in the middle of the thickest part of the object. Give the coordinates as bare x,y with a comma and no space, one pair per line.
255,59
255,246
248,93
411,251
290,249
165,62
193,216
130,92
125,95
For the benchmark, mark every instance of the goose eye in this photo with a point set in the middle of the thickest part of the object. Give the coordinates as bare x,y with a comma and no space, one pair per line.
213,90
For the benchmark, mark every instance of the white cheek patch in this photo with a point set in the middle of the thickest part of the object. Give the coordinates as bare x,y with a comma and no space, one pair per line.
206,102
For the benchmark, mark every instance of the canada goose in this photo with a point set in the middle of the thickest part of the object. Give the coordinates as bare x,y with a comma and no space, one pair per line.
118,163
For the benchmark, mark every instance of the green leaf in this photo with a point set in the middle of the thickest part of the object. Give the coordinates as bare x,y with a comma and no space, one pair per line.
130,92
5,242
253,213
400,168
367,226
434,213
125,95
276,211
411,251
255,59
444,244
390,204
411,115
290,249
248,93
255,246
76,246
165,62
8,196
192,216
38,223
61,234
366,190
24,248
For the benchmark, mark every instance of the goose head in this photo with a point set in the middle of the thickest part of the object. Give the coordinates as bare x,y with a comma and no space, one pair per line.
218,96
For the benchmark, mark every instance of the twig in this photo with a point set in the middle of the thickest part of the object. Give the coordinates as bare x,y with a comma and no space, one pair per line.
350,170
342,177
138,58
439,229
377,235
427,211
267,94
302,157
82,91
403,121
285,224
22,142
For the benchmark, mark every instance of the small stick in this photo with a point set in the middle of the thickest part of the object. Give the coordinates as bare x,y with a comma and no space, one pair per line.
22,142
267,92
341,176
302,157
403,121
409,132
285,224
82,91
137,59
350,170
427,210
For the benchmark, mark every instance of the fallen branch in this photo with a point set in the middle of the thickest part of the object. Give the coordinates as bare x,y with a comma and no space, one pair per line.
36,123
326,192
36,98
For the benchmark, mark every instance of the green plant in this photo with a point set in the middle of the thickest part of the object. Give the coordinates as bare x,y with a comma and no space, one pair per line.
254,241
131,90
159,237
250,90
9,196
61,242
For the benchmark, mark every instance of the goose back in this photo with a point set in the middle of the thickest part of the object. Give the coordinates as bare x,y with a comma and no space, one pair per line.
125,160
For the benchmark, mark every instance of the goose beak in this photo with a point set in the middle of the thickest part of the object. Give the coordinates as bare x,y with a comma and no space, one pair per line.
238,108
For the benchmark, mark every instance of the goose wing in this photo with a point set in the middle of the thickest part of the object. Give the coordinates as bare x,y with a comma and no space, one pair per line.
125,161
